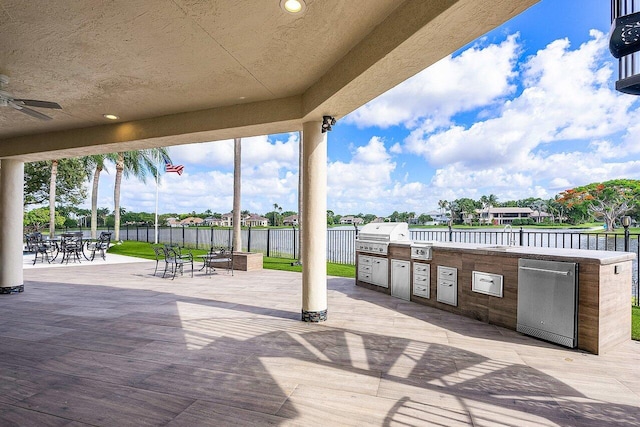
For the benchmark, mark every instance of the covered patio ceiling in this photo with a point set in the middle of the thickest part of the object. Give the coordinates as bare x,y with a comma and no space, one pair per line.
184,71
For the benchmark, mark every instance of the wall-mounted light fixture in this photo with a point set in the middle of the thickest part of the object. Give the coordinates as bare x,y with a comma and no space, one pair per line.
327,122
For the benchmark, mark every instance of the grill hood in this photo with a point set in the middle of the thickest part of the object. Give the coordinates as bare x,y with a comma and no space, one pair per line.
384,232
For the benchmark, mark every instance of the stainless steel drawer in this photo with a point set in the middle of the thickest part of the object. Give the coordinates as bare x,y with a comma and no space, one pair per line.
364,268
364,276
421,290
364,260
448,273
419,268
487,283
447,285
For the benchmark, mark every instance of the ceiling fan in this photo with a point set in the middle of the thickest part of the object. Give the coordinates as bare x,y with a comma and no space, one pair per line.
22,105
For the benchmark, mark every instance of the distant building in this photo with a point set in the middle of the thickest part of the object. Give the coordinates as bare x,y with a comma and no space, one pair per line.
350,219
290,220
187,222
504,216
213,222
246,220
439,218
255,220
191,221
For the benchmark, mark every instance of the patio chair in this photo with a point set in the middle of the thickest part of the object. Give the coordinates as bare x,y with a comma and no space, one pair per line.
45,249
179,251
101,245
220,257
31,241
175,261
159,252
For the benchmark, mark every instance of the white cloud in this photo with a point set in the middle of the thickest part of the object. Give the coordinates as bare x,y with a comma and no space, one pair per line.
269,175
567,100
256,151
475,78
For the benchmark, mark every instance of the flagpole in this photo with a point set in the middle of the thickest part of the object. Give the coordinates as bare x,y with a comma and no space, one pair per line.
157,186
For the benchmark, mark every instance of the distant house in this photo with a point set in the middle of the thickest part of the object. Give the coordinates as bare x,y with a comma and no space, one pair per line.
438,218
504,216
173,222
255,220
191,221
226,220
246,220
350,219
213,222
187,222
540,216
378,219
290,220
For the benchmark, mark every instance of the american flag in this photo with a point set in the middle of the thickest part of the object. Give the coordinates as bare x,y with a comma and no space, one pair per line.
168,167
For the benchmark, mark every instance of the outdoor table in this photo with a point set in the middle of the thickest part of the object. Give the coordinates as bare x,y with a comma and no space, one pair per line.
206,262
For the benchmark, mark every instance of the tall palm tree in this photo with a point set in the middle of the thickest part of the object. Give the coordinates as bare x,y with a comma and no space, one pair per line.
237,192
442,204
96,164
275,214
52,198
137,164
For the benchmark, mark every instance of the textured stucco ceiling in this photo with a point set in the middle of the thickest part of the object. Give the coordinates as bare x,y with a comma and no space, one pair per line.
179,71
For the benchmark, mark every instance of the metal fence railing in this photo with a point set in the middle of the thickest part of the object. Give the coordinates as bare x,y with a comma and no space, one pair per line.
285,242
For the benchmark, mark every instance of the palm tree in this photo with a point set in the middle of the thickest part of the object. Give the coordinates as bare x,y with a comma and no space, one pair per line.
96,163
137,164
275,213
237,194
52,198
442,204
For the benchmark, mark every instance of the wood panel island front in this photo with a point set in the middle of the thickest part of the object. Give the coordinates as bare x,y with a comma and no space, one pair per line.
482,282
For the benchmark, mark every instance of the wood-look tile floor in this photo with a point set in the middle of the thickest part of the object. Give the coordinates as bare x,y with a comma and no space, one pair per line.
112,345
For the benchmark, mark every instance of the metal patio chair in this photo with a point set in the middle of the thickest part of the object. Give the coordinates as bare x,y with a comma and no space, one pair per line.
175,261
219,257
101,245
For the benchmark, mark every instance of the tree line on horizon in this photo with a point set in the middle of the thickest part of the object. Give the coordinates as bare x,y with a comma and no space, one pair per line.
603,201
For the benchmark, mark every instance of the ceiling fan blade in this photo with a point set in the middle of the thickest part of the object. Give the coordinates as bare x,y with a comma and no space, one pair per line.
29,111
37,103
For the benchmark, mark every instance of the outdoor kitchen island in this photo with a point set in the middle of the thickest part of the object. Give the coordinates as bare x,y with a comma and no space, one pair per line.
592,312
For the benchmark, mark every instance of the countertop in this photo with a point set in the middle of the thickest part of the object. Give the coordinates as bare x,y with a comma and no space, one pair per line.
582,255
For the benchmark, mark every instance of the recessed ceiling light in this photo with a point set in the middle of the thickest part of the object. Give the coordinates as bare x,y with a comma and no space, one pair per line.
293,6
110,116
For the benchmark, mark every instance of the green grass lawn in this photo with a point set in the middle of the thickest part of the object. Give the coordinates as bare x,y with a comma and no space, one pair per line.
635,323
144,250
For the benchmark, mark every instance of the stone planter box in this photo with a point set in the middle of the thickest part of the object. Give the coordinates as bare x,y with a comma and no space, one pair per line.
247,261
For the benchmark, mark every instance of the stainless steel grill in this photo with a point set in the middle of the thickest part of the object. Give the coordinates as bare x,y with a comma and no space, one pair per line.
375,237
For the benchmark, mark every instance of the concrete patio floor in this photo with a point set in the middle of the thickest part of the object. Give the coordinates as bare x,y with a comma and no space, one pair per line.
112,345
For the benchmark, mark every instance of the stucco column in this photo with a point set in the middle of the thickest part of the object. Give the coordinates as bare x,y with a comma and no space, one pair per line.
11,212
314,220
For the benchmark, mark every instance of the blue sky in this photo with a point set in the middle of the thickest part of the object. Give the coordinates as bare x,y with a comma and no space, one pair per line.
527,110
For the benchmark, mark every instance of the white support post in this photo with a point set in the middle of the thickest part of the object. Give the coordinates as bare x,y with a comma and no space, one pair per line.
314,220
11,225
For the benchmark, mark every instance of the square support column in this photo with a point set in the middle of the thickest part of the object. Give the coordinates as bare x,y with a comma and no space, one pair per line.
314,220
11,225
